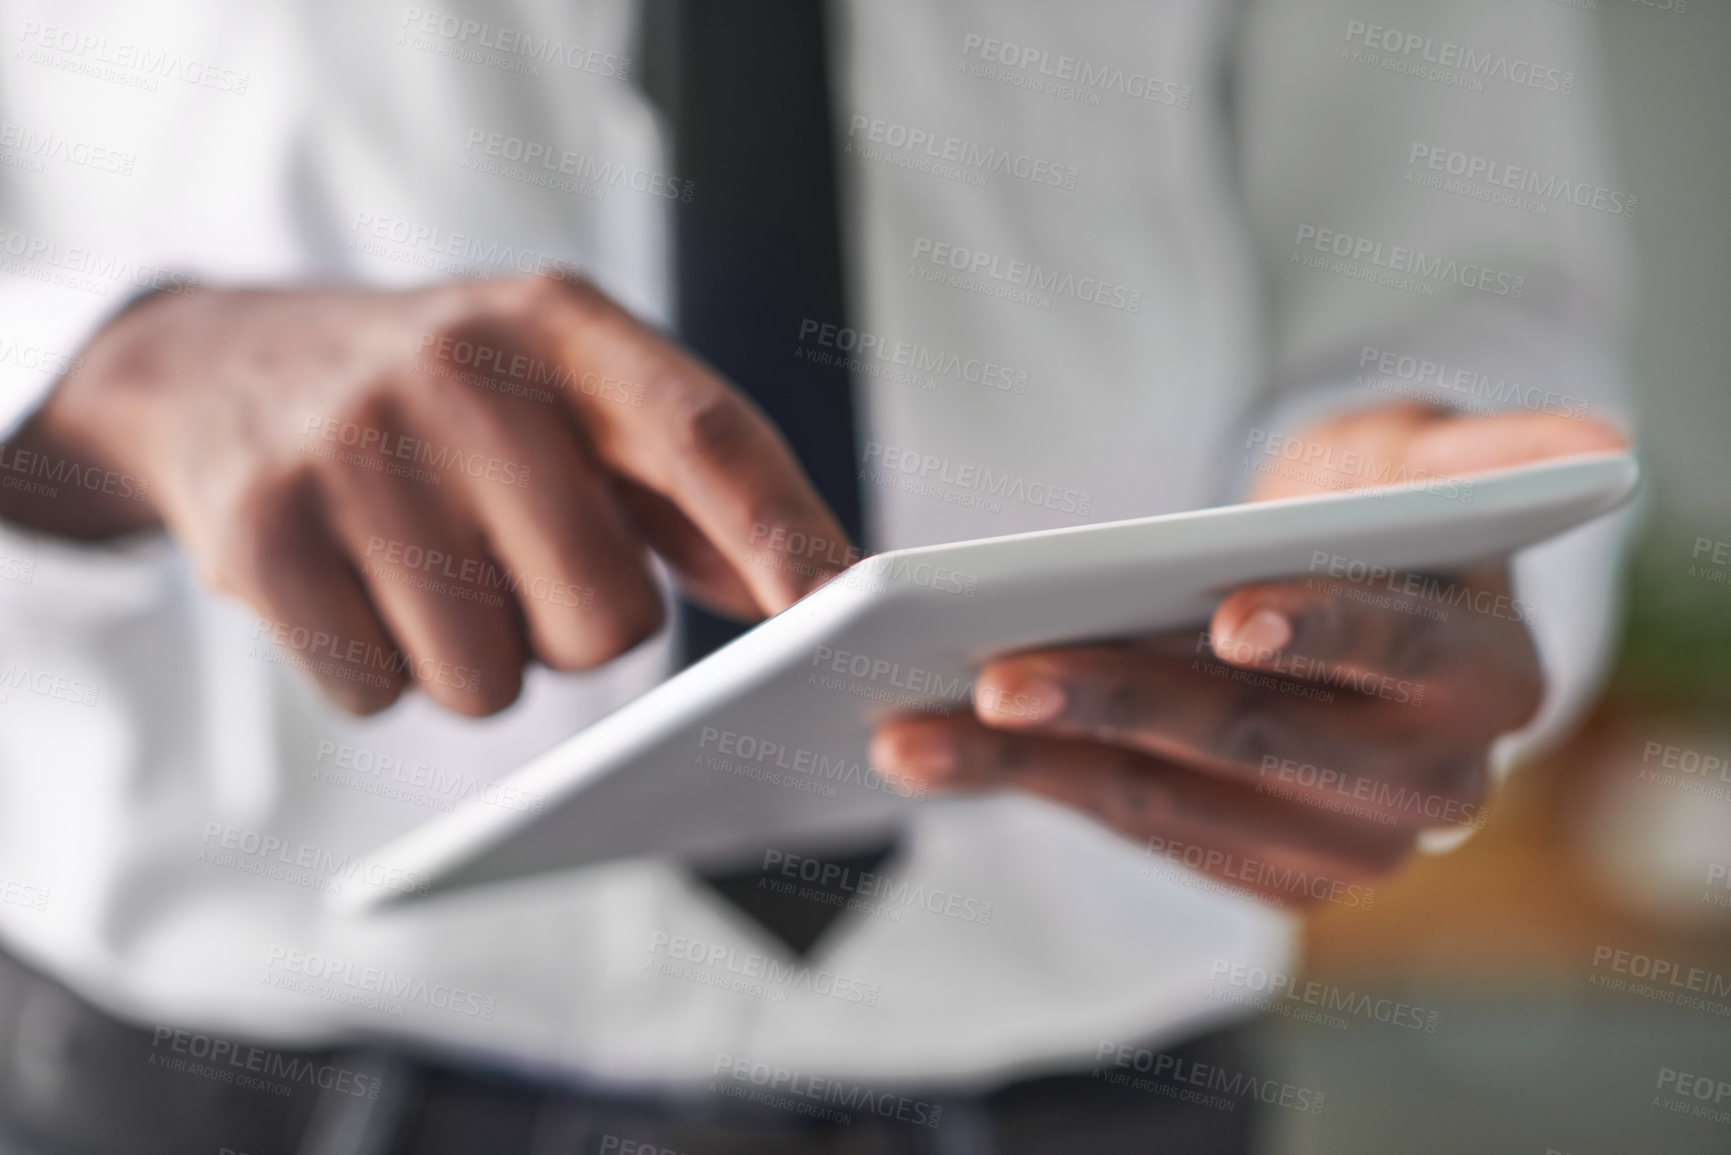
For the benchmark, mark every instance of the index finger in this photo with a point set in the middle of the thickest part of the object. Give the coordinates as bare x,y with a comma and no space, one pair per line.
1462,638
674,425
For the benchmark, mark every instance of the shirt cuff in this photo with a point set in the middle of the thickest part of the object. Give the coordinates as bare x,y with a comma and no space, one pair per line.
46,329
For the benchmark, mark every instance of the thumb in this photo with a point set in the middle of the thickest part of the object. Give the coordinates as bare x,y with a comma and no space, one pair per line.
1390,443
1468,444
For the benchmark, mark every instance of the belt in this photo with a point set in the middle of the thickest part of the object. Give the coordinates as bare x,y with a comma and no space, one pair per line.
76,1081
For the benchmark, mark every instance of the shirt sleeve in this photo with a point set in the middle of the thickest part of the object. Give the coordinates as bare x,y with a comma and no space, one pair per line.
1431,198
41,338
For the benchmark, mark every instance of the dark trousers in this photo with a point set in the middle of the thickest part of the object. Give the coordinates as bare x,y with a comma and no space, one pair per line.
76,1081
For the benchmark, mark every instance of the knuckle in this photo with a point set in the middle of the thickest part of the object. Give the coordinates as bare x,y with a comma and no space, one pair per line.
451,405
1461,778
362,700
1359,859
499,687
1131,799
589,305
708,421
778,524
574,291
226,564
1365,863
521,313
529,294
794,565
1246,734
1524,692
545,303
272,499
1412,644
600,638
1120,702
900,744
251,532
1013,757
375,406
1319,627
1386,856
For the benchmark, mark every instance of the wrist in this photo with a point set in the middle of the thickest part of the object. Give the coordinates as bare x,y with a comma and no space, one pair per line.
75,469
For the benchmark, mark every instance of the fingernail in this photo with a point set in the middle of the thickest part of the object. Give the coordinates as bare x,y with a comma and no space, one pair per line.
1263,634
915,757
1028,700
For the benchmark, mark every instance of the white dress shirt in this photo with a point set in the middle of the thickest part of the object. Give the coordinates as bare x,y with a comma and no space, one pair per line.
1081,242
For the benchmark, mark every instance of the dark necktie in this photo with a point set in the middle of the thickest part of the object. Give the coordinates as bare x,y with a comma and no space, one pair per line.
745,85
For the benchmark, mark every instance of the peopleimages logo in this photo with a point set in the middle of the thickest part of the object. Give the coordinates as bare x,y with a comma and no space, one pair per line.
1467,388
1072,77
497,361
37,359
1661,980
814,1095
876,890
1718,875
508,42
353,658
1699,1096
83,268
126,62
1400,266
341,980
860,348
60,687
580,167
1235,874
240,1064
1320,671
1188,1081
734,752
15,893
1414,51
259,850
459,254
1382,800
1515,179
1421,588
978,267
475,576
892,462
47,473
1691,771
399,446
721,958
914,679
924,144
1276,992
390,776
1326,465
37,145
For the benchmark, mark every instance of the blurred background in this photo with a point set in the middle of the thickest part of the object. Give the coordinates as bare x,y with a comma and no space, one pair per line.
1547,1039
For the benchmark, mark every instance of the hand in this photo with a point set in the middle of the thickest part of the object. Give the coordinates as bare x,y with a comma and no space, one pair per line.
1299,745
431,487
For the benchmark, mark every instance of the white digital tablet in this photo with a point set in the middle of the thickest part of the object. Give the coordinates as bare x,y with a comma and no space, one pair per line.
765,741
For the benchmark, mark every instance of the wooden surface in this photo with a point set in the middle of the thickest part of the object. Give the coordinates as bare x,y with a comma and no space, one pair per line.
1520,899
